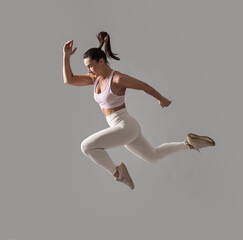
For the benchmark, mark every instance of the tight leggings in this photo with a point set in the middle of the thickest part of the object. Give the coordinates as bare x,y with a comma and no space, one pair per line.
124,130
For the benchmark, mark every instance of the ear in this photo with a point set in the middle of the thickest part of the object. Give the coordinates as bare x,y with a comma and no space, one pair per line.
102,61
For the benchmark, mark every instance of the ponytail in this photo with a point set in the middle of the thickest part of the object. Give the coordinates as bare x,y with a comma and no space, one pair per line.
104,38
98,53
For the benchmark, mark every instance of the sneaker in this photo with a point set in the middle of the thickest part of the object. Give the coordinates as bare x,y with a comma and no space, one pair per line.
124,176
199,141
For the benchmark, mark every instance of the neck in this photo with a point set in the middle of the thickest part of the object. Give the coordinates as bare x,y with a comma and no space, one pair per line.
106,73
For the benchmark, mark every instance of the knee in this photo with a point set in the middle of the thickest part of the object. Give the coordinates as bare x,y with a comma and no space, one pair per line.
86,147
153,158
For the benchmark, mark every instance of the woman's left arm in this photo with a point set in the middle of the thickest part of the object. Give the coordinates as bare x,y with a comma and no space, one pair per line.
127,81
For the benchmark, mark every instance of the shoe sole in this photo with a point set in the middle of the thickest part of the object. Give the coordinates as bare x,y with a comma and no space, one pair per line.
127,173
206,139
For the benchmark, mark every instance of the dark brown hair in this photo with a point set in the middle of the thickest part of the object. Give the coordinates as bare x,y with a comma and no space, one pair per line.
97,53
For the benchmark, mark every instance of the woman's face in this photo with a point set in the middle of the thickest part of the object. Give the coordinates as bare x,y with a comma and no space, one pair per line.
93,66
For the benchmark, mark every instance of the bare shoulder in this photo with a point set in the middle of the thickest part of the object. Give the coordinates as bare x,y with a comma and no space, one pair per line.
119,76
117,79
116,76
127,81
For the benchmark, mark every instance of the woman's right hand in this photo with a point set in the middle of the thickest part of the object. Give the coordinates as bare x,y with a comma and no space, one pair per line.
67,49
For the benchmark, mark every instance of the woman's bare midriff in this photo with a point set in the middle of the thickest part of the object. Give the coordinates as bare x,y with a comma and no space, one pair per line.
108,111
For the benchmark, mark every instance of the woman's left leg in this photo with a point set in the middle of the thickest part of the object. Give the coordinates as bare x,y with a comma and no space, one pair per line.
142,148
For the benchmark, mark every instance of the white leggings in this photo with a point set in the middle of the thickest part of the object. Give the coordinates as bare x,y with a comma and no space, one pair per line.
124,130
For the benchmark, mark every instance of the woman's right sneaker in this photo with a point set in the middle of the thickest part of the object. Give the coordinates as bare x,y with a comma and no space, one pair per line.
199,141
124,176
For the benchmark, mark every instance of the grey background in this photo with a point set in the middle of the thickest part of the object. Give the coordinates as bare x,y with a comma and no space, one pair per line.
190,51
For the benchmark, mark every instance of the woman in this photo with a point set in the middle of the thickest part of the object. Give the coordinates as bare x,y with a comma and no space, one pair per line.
109,92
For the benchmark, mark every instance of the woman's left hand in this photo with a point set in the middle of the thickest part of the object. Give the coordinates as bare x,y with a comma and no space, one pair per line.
165,103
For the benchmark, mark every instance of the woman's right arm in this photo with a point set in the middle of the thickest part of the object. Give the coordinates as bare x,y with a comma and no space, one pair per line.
67,71
68,77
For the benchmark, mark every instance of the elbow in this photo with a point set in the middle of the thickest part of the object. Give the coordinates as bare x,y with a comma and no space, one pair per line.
146,88
67,80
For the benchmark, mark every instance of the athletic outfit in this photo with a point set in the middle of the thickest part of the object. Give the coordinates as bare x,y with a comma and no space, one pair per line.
123,130
107,99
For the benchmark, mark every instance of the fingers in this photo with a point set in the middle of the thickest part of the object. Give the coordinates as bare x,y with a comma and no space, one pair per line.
74,50
69,45
164,105
69,42
161,104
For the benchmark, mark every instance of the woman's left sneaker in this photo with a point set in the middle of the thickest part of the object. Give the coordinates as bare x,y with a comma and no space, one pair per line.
124,175
199,141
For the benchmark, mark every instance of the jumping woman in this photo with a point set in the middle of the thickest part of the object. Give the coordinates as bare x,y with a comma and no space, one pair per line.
109,92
